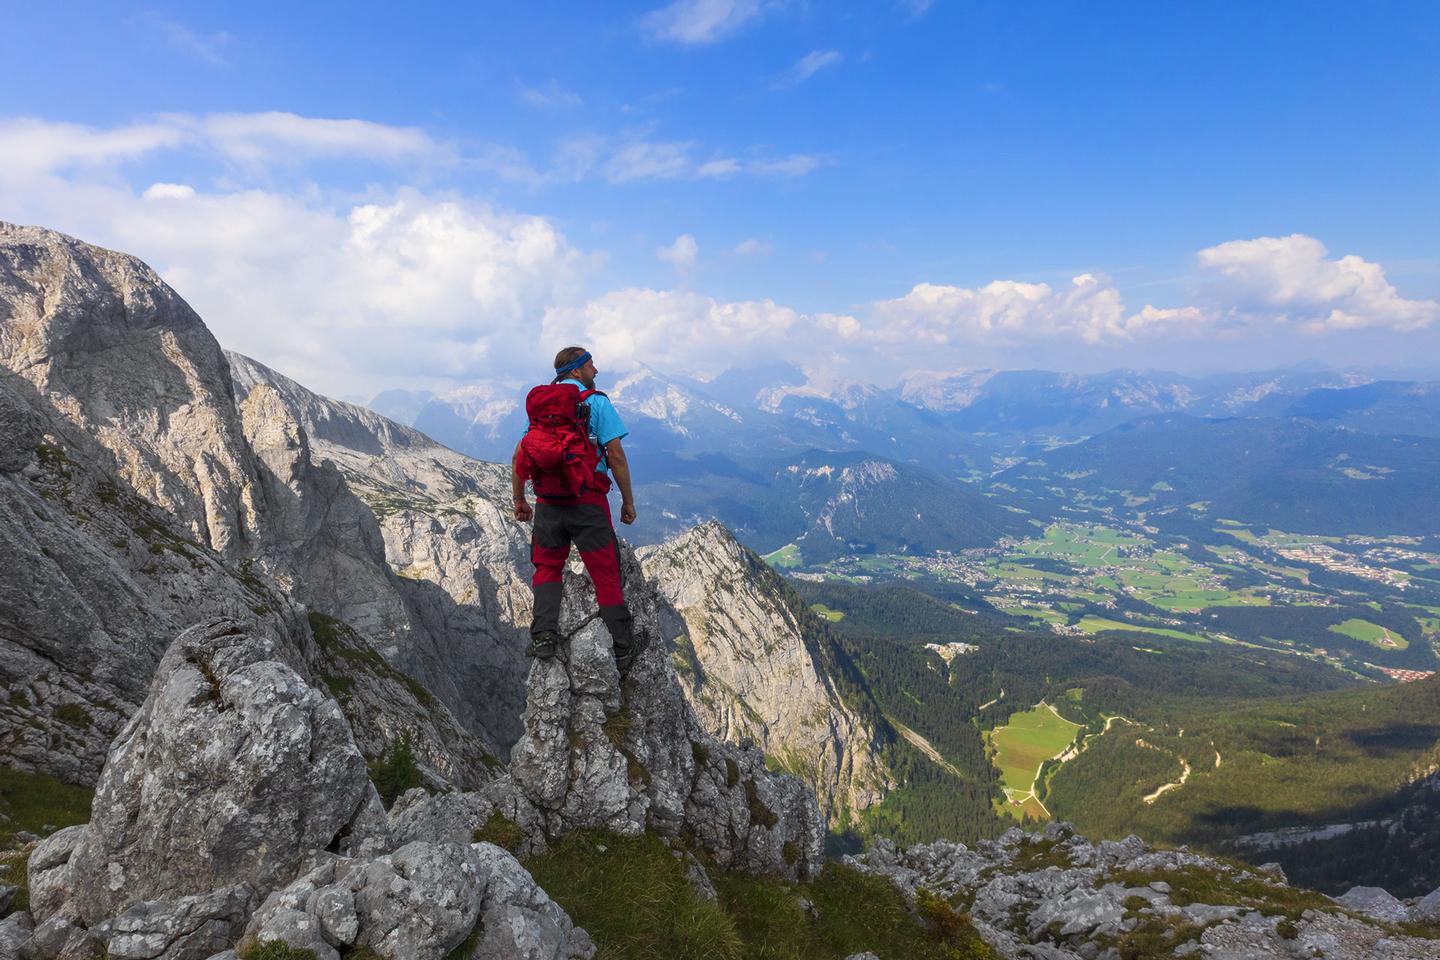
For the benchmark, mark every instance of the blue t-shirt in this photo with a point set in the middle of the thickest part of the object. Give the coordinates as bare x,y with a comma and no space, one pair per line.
605,423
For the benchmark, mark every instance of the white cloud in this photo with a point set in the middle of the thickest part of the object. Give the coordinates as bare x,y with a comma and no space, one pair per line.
636,160
754,248
549,95
807,66
1289,279
207,47
1090,309
168,191
641,160
681,254
32,147
255,137
693,22
346,293
676,331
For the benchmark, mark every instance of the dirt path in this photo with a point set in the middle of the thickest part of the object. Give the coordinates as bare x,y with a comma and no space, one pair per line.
992,702
1184,775
925,747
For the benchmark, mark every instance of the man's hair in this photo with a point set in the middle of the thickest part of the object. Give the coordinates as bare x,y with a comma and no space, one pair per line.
566,357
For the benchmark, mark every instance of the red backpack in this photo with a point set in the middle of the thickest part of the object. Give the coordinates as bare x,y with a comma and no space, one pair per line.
556,454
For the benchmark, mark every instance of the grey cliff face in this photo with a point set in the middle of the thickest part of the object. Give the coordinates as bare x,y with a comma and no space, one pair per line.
749,674
132,505
119,355
457,606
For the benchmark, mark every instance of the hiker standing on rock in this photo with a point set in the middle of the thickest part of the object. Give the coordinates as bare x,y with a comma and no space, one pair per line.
568,453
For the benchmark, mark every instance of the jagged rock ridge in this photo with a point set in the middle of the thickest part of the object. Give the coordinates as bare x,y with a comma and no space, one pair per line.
749,671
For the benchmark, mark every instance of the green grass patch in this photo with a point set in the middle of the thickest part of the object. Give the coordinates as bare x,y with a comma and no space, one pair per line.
834,616
850,913
501,831
396,771
1091,624
1371,633
33,801
1028,740
786,558
634,897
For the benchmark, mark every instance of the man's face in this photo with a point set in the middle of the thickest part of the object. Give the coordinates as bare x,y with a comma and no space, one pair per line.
586,374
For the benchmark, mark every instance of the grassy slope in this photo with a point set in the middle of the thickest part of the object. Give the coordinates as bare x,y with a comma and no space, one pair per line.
632,895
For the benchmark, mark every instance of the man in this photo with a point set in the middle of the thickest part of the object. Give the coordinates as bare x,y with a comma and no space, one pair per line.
583,520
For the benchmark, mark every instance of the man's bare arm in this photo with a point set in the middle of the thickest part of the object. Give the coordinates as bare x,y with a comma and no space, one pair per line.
620,470
517,489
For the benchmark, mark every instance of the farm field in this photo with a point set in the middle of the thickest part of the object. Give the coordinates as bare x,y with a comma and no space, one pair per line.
785,558
1097,624
1306,595
1371,633
1021,746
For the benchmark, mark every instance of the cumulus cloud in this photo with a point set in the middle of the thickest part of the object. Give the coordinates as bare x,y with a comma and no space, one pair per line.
695,22
681,254
1090,309
807,66
345,292
754,248
1291,280
677,331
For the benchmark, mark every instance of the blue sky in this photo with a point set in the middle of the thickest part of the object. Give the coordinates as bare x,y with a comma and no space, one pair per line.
713,182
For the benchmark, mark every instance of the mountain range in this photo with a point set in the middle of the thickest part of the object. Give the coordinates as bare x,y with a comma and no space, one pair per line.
207,564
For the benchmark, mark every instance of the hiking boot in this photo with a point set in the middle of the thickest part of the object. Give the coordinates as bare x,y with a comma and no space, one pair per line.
624,661
543,644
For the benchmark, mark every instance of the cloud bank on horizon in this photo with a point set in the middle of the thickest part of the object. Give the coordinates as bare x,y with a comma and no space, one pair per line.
356,289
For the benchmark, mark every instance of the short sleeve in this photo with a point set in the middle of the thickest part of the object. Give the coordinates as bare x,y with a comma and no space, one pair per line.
605,421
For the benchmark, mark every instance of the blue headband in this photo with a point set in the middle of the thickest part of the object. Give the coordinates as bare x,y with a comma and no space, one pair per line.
575,364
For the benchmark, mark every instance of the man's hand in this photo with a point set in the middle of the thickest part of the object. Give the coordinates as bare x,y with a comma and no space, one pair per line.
627,512
523,513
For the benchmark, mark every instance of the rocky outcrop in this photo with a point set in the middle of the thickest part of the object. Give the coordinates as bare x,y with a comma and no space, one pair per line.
632,756
231,773
750,672
238,786
1059,896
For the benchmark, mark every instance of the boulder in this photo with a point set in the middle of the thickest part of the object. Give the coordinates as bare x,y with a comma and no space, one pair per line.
191,928
49,876
14,931
1427,908
1374,902
421,903
443,817
233,771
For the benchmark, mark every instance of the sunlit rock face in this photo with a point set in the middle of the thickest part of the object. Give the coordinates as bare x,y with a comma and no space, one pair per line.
750,673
